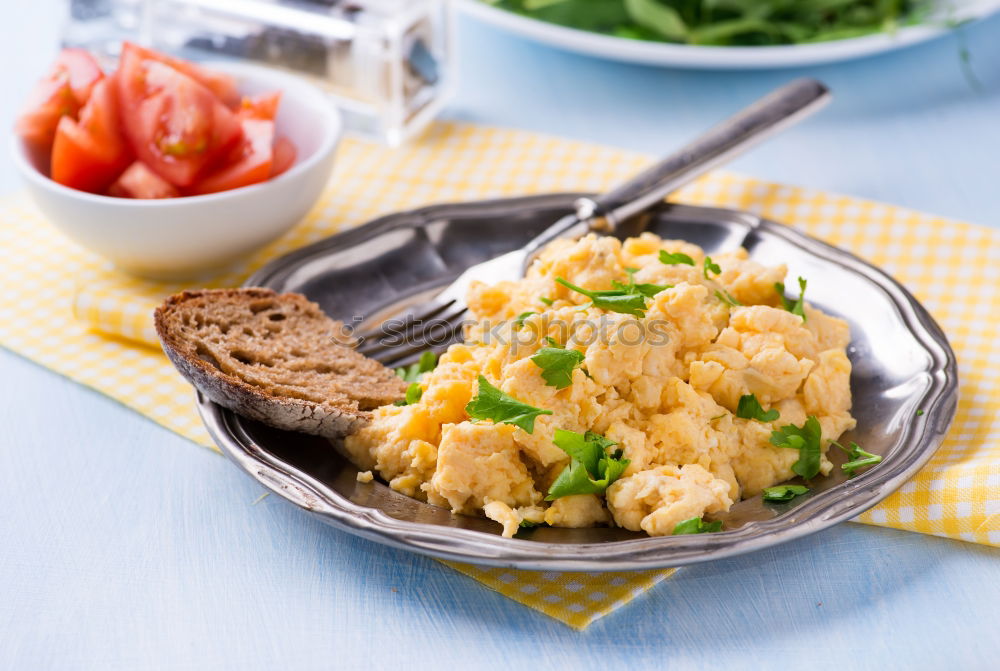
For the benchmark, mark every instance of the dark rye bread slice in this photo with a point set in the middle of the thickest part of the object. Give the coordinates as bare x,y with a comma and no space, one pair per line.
276,358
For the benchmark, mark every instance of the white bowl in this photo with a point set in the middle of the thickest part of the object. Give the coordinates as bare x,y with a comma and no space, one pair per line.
181,237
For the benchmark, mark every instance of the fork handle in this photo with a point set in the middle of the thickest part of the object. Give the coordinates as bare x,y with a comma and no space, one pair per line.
774,112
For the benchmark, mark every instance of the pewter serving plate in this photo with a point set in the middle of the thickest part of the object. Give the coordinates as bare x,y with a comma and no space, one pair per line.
902,363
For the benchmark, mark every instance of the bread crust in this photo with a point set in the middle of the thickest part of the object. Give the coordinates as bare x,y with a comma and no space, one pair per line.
333,418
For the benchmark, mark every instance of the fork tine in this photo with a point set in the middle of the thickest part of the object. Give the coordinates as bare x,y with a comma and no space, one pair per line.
415,334
442,333
416,313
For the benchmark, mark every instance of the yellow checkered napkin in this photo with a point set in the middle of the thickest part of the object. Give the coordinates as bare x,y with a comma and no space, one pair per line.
954,268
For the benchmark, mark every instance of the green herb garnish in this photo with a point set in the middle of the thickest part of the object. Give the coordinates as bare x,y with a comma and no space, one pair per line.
491,403
708,266
557,364
675,258
806,440
546,301
725,297
749,408
591,469
696,525
782,493
920,412
613,300
858,458
646,289
519,320
415,371
796,307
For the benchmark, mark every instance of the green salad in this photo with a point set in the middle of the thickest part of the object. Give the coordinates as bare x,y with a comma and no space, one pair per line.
726,22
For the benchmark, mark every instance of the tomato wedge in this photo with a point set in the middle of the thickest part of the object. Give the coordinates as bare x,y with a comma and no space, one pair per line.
263,106
284,155
90,153
249,163
219,83
60,93
176,126
138,181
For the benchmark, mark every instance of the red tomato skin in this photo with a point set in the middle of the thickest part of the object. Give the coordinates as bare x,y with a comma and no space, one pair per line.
174,124
82,70
263,106
284,155
219,83
90,153
249,163
138,181
50,100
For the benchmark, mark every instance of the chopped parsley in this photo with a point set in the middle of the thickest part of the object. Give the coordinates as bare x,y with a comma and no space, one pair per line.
646,289
591,469
726,297
696,525
613,300
749,408
557,364
920,412
519,320
708,266
528,524
415,371
546,301
675,258
712,419
805,439
796,307
491,403
782,493
858,458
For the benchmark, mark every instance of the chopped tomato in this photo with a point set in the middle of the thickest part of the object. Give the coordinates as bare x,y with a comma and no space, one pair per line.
219,83
88,154
284,155
263,106
175,125
82,70
249,163
138,181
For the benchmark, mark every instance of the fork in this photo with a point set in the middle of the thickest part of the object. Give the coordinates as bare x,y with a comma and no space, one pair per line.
435,323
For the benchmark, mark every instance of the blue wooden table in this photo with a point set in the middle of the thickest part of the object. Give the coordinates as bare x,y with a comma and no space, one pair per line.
122,546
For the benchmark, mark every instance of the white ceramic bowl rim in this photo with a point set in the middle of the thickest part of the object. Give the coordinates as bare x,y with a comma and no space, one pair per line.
332,132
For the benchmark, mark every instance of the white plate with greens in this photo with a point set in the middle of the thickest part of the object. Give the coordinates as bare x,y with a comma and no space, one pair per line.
729,34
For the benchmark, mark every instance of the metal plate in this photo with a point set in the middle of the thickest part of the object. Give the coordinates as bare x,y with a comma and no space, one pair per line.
902,363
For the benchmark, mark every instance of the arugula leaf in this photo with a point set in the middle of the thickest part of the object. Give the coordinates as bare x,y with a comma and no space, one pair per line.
557,364
783,493
491,403
796,307
675,258
591,469
806,440
749,408
519,320
725,297
546,301
415,371
614,300
858,458
696,525
709,266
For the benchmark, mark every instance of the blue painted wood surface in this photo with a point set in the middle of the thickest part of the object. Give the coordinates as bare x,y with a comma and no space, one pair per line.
122,546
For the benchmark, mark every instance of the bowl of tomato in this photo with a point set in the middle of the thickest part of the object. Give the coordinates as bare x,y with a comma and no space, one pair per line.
169,168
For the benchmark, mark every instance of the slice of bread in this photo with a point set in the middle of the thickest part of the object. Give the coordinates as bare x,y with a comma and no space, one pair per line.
275,358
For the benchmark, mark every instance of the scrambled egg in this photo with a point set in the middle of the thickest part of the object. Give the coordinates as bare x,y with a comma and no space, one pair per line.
665,387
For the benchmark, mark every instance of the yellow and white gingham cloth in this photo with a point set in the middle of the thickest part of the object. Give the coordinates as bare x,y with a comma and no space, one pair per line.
65,309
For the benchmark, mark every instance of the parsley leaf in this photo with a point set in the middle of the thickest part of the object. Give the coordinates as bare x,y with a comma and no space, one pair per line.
806,441
413,393
782,493
675,258
614,300
858,458
708,266
749,408
491,403
696,525
557,364
546,301
528,524
415,371
726,297
646,289
796,307
591,469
